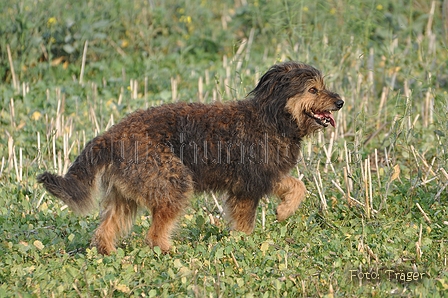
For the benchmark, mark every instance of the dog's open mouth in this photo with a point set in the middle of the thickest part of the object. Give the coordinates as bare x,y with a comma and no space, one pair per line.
323,118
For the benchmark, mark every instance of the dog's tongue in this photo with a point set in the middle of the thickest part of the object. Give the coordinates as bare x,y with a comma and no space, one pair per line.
329,116
332,122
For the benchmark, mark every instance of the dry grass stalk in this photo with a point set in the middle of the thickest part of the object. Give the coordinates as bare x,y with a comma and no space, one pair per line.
20,164
430,19
55,164
425,216
2,167
328,154
318,183
347,185
365,175
371,253
174,84
145,92
383,100
200,90
220,209
83,63
418,244
11,66
445,18
352,201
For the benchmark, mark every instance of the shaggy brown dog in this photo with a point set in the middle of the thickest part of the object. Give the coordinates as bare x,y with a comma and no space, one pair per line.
159,157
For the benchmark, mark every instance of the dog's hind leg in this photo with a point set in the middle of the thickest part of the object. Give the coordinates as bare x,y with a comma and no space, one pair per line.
169,198
117,218
291,192
164,218
241,213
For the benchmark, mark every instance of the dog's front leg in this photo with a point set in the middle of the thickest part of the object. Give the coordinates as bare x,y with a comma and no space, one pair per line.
291,191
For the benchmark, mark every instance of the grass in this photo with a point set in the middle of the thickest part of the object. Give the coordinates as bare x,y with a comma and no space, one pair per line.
377,183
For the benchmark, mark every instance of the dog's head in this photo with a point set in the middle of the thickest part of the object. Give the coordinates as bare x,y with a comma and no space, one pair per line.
296,91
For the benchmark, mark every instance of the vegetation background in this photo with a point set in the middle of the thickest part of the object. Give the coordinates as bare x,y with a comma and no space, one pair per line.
377,183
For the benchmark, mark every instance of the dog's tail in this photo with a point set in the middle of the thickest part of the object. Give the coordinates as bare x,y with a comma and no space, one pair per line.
78,187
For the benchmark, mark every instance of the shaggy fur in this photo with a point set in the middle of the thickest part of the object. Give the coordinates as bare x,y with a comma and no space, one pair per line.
157,158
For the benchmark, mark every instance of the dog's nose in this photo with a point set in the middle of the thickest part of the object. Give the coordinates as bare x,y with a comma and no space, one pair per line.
339,103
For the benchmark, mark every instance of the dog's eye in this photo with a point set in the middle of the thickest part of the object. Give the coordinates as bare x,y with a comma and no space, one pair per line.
312,90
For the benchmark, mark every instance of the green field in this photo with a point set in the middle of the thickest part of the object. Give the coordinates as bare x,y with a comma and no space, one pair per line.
378,183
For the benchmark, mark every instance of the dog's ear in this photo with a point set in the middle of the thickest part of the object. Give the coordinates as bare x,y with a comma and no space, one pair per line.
272,82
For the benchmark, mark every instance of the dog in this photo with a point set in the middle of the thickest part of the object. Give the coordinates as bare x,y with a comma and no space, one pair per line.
159,157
